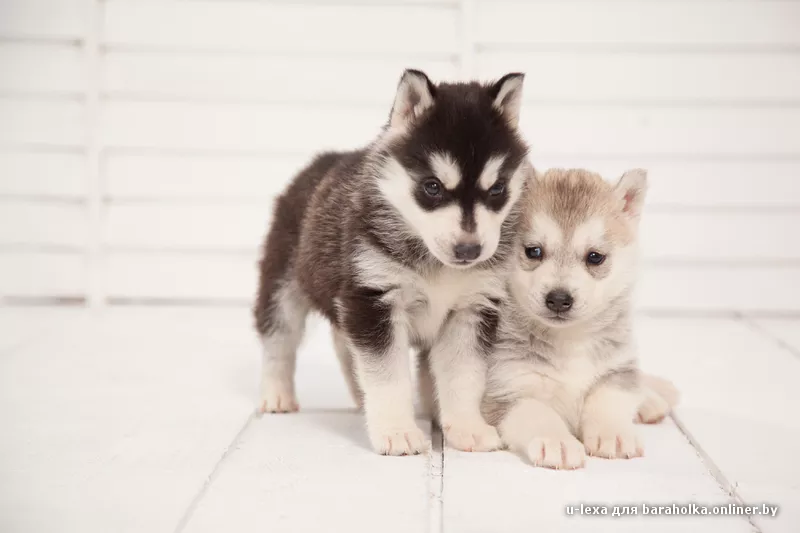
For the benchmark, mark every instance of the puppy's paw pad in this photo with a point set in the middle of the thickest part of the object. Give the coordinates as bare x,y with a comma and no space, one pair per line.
652,410
622,443
276,400
399,441
565,452
476,437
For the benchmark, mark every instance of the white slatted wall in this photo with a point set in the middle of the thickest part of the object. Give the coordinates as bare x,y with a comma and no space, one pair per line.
142,141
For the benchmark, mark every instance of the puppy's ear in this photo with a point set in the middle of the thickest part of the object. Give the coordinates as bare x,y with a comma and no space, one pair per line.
507,95
415,94
631,189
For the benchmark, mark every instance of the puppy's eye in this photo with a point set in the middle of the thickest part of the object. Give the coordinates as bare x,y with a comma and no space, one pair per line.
534,252
432,187
595,258
497,189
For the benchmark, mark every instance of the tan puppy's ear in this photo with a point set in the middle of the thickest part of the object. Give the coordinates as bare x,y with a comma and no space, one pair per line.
507,95
415,94
631,190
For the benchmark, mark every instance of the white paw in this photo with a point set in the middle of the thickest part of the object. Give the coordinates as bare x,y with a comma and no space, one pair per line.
408,440
565,452
277,398
613,442
473,437
652,410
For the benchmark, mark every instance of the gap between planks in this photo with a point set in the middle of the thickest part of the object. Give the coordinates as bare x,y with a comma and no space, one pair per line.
715,471
192,507
436,480
750,321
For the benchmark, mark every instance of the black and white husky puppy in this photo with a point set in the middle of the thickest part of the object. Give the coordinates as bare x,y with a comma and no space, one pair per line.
402,244
564,378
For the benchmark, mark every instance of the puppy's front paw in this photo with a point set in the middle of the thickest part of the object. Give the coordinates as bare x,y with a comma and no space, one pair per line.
472,437
652,410
408,440
613,442
277,398
565,452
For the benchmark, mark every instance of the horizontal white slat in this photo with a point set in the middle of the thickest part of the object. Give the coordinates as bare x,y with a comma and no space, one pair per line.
652,23
239,127
665,235
201,177
171,75
659,130
550,129
42,174
716,183
42,274
641,77
672,183
32,223
226,227
282,27
719,288
200,276
45,19
41,122
176,276
40,69
721,236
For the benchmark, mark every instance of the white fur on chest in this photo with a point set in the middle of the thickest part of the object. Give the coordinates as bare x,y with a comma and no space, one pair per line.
438,295
424,301
576,366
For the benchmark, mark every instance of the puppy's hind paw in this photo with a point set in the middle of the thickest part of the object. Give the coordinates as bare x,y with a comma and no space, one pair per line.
652,410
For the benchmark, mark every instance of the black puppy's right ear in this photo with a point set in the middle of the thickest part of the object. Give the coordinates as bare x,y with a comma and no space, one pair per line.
415,94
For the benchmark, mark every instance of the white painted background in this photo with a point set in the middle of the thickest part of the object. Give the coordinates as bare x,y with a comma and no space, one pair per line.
142,142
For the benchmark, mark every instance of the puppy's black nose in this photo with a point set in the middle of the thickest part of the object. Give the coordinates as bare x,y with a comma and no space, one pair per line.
559,301
466,251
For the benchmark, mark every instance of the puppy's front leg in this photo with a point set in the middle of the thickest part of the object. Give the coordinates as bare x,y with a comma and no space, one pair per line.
379,342
534,430
607,427
459,370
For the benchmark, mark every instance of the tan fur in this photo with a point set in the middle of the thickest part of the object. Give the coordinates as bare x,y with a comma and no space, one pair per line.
565,382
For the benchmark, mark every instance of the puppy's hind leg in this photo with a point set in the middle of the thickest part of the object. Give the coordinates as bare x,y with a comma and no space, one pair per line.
659,397
280,318
345,357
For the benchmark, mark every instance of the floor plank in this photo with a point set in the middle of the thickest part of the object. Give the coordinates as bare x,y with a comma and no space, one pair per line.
786,331
499,492
113,423
739,388
314,471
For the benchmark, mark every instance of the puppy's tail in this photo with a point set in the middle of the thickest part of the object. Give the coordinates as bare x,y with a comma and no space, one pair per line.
658,398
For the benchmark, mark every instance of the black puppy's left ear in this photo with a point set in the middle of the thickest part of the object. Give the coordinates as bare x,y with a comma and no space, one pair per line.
631,189
507,95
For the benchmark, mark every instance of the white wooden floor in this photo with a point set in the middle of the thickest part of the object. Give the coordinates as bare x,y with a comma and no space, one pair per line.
140,419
